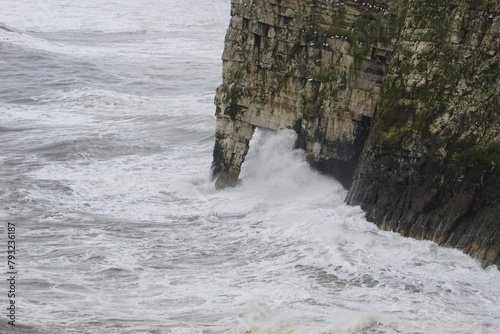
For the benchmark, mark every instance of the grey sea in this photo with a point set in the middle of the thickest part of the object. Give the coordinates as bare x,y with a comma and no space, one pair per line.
106,136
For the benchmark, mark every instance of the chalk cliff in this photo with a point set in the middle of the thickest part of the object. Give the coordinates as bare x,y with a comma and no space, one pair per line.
396,99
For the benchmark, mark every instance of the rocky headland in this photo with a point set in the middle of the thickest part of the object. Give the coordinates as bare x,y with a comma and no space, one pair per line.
399,100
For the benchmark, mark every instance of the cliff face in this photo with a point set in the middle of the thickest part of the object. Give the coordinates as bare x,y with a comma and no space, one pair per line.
406,91
313,66
430,166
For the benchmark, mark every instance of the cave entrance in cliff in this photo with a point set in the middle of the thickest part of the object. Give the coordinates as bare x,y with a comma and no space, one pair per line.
360,136
343,170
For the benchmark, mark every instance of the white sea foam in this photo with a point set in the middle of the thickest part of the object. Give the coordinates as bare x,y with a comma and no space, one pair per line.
120,229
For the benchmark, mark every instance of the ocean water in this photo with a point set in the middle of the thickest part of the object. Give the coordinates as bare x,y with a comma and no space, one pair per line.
106,136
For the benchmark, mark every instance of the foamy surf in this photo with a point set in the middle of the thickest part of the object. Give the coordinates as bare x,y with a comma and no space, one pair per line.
258,320
106,129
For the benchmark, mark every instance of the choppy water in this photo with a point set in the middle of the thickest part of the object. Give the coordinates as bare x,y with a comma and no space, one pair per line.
106,135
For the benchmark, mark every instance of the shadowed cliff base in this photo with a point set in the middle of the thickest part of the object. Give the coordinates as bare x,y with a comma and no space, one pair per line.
396,99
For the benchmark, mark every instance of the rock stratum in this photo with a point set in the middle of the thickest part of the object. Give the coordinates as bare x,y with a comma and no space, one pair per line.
399,100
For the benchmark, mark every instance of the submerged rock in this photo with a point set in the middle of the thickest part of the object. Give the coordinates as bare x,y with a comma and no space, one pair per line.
396,99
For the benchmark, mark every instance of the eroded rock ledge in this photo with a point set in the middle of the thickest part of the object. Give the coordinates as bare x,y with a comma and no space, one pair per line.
396,99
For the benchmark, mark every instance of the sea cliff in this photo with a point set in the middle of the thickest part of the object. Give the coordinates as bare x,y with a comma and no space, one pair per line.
396,99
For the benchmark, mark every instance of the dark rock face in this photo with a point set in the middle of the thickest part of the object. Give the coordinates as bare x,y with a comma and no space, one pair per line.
397,99
430,166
